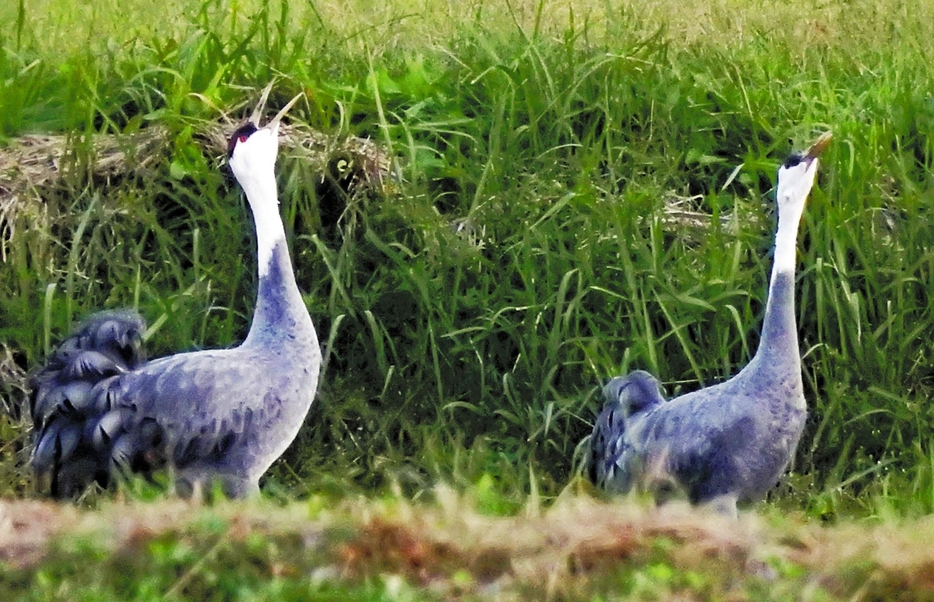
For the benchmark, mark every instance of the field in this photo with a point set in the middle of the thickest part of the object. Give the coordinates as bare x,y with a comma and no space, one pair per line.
492,208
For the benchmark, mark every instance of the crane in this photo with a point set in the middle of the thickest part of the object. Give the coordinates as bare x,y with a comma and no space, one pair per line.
731,442
221,416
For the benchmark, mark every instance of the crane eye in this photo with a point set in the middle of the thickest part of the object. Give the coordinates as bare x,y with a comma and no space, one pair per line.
239,136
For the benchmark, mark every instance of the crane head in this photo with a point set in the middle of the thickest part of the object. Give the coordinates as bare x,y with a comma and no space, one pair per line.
796,175
253,148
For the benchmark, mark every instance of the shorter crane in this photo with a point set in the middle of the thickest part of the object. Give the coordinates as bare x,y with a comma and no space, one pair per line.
731,442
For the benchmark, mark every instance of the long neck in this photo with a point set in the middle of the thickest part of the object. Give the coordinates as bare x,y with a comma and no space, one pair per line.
778,351
280,311
263,196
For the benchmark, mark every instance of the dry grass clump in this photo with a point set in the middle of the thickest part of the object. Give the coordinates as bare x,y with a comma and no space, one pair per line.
582,543
33,165
577,544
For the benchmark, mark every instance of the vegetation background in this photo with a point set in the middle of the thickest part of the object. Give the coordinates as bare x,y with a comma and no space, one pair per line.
578,189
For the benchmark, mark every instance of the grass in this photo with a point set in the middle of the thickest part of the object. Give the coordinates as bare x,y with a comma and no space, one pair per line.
448,548
529,247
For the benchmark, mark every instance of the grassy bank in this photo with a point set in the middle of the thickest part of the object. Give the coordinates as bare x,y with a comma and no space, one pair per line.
578,189
451,549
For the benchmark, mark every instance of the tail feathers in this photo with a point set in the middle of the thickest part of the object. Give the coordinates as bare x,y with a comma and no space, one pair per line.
71,400
58,440
106,344
116,333
625,397
638,391
142,450
91,365
74,452
68,398
605,443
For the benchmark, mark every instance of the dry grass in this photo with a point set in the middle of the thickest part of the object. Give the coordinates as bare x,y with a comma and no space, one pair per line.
33,165
577,547
27,526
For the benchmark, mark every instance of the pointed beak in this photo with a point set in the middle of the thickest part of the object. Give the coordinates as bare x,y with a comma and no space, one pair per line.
274,124
821,144
258,111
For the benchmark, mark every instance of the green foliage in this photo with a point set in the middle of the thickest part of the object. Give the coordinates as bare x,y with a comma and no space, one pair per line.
198,564
452,547
530,249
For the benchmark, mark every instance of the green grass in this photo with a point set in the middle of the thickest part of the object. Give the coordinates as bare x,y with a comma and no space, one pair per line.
558,137
449,547
558,134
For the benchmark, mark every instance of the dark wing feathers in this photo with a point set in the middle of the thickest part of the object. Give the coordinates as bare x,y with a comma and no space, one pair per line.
611,452
65,398
70,398
117,332
91,365
110,426
68,439
606,443
44,452
105,344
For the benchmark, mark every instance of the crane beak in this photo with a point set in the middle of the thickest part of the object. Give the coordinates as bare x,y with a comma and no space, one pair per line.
821,144
258,111
274,124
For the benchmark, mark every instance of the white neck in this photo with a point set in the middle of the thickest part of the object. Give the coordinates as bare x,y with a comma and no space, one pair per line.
786,237
777,356
262,194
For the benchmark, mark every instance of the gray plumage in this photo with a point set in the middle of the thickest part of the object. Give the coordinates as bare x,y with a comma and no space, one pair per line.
225,416
625,396
730,442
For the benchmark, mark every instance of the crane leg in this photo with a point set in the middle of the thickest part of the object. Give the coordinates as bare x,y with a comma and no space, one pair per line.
724,505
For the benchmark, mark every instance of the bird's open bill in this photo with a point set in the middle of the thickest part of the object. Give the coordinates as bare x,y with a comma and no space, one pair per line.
819,145
258,111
